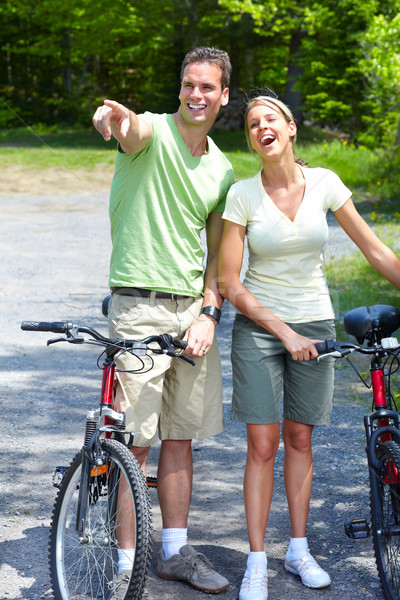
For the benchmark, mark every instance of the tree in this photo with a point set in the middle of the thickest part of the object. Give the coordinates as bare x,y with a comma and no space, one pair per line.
381,70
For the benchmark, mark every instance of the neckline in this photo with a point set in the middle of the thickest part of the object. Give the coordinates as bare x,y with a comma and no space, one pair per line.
177,134
275,207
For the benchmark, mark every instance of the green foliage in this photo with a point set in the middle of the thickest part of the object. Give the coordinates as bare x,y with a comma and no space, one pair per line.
331,81
59,60
388,172
381,68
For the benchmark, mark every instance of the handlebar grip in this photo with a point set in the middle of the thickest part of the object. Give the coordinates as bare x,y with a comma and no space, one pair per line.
327,346
54,327
181,344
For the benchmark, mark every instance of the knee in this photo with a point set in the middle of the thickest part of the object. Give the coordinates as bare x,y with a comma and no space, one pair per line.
141,454
262,451
176,447
300,443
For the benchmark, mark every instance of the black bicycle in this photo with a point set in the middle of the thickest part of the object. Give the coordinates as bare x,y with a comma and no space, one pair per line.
373,328
102,505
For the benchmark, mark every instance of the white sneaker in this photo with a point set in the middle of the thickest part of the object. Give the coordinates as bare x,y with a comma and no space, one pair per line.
254,585
309,570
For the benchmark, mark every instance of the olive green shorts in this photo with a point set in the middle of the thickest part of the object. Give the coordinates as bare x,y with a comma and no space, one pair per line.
173,400
264,374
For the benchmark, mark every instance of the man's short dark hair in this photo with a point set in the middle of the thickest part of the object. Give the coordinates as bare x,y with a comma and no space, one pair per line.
205,54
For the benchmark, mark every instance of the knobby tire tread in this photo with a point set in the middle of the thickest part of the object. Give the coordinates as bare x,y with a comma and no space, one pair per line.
385,514
139,491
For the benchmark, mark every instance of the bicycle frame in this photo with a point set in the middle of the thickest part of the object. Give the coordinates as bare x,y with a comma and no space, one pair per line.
107,389
383,424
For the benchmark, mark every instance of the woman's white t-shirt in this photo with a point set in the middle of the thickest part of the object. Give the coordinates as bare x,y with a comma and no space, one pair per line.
286,257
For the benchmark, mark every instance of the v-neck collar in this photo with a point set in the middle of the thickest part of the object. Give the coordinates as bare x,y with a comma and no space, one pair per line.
181,143
272,203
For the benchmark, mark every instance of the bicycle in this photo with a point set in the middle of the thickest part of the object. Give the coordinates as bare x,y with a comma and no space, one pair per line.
373,327
102,504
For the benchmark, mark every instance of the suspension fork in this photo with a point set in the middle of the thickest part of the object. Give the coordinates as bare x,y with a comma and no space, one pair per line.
91,463
91,448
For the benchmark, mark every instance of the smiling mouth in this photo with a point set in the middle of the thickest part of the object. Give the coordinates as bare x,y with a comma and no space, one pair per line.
266,140
197,107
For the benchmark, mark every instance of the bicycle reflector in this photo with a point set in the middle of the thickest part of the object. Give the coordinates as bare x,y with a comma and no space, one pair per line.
96,471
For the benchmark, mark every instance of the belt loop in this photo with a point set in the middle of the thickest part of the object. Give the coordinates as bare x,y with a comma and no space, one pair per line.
152,298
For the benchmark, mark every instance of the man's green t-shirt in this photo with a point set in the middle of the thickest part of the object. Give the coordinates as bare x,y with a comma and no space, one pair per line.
160,200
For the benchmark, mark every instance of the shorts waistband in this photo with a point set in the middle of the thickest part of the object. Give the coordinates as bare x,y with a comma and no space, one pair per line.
142,293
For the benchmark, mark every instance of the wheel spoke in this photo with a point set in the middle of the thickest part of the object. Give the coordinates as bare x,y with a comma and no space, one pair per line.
118,511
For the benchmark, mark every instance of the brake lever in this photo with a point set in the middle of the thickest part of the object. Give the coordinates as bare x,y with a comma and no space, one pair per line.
171,352
187,359
72,337
336,354
56,340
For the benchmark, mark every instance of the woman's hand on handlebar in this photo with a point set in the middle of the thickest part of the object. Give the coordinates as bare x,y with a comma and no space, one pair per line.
300,347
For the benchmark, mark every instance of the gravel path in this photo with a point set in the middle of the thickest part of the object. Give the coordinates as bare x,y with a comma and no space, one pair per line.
54,266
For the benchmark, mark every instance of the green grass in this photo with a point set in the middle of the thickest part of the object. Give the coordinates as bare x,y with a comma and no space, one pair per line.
41,158
37,149
355,166
353,282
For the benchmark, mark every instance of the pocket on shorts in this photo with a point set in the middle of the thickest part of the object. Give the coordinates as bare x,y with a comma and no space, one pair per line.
124,310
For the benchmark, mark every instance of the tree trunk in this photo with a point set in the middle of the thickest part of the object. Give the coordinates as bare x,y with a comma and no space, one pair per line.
293,97
66,45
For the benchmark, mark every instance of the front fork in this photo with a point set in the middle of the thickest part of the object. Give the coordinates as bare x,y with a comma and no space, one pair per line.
92,454
382,425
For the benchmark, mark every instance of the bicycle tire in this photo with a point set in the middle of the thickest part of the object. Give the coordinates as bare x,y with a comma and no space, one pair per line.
85,570
385,518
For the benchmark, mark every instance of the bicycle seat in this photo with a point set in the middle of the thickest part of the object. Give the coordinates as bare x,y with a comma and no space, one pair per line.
365,319
104,306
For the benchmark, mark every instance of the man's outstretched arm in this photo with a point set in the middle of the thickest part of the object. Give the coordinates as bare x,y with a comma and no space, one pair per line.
114,119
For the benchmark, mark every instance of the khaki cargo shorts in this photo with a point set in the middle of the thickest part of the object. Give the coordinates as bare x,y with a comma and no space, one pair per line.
172,399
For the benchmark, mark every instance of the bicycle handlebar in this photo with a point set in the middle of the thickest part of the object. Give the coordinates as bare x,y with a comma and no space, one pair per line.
341,349
166,342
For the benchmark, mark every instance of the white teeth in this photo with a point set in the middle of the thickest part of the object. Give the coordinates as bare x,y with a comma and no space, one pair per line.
267,139
196,106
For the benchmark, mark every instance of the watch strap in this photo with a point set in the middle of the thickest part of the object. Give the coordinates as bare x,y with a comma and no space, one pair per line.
212,311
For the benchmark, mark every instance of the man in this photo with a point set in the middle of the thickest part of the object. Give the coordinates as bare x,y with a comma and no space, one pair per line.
170,183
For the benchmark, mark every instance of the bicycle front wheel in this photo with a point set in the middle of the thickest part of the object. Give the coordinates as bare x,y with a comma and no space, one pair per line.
385,522
85,567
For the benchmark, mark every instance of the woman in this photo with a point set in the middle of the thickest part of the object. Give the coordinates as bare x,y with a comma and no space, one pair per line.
283,309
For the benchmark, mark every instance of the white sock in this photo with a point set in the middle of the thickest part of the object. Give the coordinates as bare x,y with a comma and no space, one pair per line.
173,540
257,559
126,558
297,547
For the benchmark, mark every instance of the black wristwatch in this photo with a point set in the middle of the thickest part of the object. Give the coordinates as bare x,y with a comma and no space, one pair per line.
212,311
